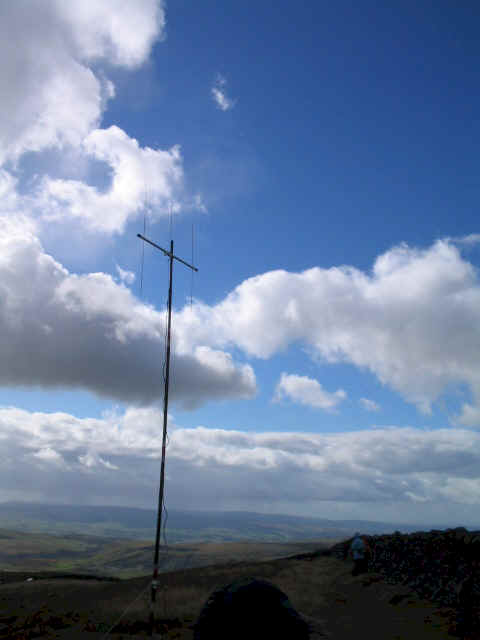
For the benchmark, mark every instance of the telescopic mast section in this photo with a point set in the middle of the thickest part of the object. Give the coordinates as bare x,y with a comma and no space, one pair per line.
171,256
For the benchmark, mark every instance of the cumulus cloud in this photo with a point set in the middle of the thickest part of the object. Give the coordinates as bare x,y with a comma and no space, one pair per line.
369,405
51,97
140,177
219,94
118,455
62,330
308,392
413,321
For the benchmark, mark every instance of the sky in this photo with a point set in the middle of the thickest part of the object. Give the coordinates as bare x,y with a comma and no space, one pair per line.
317,162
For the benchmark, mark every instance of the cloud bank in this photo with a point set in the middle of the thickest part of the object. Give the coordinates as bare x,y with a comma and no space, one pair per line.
115,460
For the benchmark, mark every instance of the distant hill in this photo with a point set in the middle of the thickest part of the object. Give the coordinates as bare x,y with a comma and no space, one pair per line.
182,526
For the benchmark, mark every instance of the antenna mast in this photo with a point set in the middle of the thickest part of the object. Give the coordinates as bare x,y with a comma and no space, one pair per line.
171,256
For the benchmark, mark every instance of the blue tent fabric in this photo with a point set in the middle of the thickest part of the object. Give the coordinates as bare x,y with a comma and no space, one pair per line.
250,608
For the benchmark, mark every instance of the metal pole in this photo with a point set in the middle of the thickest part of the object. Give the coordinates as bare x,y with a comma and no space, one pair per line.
153,590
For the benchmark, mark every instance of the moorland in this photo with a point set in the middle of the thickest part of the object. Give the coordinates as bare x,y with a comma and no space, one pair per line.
73,584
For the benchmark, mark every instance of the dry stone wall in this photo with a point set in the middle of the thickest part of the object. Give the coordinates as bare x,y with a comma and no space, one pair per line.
436,564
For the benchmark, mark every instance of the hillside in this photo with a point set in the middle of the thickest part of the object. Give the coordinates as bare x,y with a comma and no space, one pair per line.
321,588
376,605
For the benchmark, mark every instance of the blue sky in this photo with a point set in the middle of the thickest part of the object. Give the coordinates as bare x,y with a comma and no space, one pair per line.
324,159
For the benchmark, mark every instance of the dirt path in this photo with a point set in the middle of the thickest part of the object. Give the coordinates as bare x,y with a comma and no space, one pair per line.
368,607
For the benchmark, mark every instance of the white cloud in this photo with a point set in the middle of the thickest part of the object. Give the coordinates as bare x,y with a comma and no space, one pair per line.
62,330
221,99
219,94
414,321
119,30
469,415
423,474
470,239
140,177
128,277
50,457
50,96
55,91
308,392
369,405
91,460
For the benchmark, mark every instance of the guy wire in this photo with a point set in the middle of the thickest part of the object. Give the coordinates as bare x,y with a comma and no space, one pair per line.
143,253
171,219
191,277
112,627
